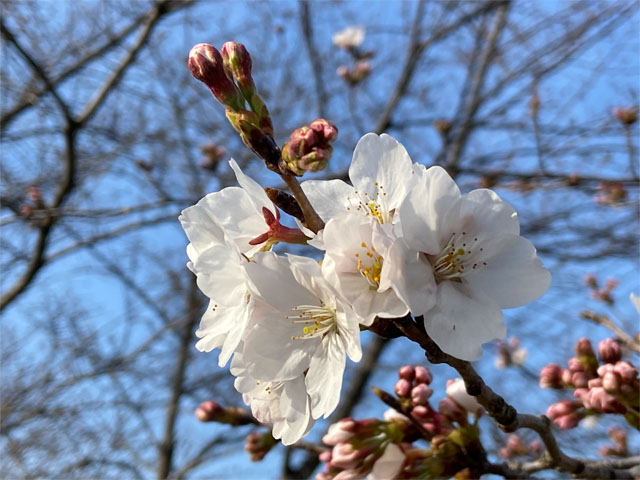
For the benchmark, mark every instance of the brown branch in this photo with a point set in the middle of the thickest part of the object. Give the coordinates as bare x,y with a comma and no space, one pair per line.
165,448
477,82
314,58
503,413
156,13
415,51
311,217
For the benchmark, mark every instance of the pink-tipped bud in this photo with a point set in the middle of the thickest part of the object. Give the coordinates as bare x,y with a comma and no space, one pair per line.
402,388
583,347
340,431
238,62
611,382
423,375
407,372
258,445
34,194
308,148
206,65
420,394
345,456
209,411
626,116
327,132
536,447
452,410
609,351
551,376
565,414
627,372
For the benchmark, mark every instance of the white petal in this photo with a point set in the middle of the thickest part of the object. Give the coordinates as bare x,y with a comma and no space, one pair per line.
201,228
271,354
426,210
220,275
253,188
462,320
328,197
411,277
324,378
234,209
235,334
389,464
274,282
349,325
514,277
381,164
484,213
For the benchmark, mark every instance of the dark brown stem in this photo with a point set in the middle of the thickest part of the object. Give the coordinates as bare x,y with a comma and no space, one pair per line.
312,219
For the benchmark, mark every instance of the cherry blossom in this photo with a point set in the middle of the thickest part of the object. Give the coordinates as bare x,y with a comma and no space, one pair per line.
285,404
381,175
302,325
478,261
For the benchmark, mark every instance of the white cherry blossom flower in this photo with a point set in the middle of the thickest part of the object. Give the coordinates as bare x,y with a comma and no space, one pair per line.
350,37
477,259
372,269
381,175
285,404
304,326
220,273
245,216
389,464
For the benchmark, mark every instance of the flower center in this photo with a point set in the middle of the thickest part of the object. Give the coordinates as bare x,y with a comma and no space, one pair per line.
317,320
458,258
372,205
270,387
370,265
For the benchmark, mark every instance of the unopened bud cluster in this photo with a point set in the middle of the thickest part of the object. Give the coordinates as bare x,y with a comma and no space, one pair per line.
603,294
610,387
610,193
620,447
363,446
309,147
227,73
510,354
357,446
514,447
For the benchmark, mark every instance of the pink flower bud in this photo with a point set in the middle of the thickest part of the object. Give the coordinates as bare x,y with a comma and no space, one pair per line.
609,351
583,347
575,365
206,65
535,447
626,116
326,131
345,456
579,379
611,382
420,394
407,372
420,413
402,388
237,61
566,376
568,421
551,376
340,432
209,411
452,411
423,375
325,456
626,371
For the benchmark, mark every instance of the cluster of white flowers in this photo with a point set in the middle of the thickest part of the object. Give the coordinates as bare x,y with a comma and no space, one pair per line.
401,239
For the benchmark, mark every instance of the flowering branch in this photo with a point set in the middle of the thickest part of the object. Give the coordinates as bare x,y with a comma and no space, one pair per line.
506,415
